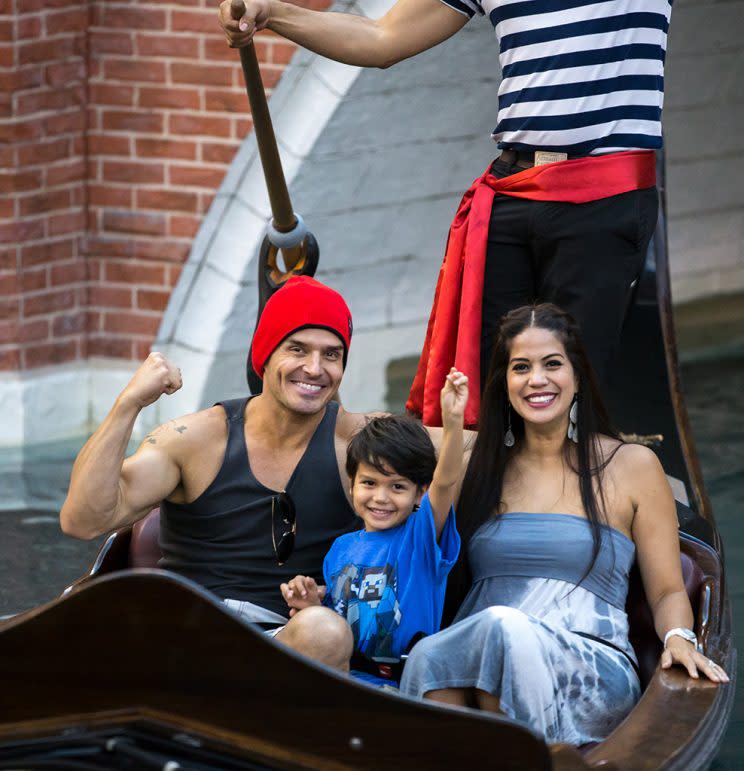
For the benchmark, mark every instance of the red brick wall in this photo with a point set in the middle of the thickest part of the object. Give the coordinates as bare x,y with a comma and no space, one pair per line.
42,176
117,123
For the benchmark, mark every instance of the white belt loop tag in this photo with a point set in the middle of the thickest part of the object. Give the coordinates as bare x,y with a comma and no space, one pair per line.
542,157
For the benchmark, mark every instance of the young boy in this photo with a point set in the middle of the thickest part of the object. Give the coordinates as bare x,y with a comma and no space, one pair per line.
388,579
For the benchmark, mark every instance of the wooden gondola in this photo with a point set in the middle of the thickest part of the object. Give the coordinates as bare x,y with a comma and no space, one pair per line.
136,668
133,666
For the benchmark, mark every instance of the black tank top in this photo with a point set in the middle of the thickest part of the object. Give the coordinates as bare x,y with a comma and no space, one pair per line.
222,540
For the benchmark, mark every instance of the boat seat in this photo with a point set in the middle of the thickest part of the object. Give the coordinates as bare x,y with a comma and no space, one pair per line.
134,546
144,545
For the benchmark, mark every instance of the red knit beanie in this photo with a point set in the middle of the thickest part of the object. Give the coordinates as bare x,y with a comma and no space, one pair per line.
302,302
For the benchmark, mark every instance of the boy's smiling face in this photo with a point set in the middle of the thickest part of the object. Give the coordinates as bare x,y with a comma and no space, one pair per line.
382,500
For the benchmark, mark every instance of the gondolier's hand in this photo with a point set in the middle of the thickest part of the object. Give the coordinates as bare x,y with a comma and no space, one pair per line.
680,651
302,592
240,32
155,377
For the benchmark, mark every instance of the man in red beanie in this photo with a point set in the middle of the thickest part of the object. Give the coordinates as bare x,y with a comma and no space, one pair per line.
252,491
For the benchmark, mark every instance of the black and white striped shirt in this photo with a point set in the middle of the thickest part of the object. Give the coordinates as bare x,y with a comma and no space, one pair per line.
579,76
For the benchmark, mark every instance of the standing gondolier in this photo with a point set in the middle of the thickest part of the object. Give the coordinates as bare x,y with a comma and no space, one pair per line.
570,204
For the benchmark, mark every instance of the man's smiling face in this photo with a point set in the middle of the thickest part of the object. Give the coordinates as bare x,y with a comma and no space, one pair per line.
304,372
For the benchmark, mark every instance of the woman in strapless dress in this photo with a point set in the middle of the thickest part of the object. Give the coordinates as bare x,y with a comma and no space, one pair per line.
554,510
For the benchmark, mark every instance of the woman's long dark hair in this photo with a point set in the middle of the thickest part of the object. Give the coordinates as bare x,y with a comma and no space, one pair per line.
482,486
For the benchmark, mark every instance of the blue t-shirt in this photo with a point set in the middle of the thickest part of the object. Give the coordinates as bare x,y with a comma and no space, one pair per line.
389,584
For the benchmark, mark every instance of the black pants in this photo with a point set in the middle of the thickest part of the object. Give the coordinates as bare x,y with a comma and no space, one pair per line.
582,257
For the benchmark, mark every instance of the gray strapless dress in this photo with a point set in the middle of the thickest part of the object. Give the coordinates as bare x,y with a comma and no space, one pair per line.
519,633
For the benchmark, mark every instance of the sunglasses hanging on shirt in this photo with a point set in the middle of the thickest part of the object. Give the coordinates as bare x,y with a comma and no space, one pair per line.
283,526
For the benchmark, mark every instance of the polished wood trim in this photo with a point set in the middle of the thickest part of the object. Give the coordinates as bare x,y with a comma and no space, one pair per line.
675,711
150,640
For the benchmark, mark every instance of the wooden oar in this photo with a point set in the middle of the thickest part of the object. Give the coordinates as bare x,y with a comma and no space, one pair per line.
287,232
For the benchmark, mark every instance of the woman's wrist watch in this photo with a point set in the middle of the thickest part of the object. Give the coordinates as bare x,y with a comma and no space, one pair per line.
684,633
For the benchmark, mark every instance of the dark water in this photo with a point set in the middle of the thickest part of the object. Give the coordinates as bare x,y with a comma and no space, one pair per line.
714,392
37,561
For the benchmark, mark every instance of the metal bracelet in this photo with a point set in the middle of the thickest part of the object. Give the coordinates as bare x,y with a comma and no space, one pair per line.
685,634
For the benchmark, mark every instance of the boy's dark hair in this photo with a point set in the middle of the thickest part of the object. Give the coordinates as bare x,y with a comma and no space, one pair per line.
396,442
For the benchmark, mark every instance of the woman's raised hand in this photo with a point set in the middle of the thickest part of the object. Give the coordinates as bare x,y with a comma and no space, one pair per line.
682,652
454,395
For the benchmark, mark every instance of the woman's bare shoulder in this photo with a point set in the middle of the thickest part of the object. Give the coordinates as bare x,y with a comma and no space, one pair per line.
628,459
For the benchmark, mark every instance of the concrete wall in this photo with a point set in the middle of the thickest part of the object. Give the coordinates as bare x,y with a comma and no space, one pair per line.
703,118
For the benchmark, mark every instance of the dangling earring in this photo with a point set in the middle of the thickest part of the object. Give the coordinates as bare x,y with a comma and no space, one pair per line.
573,432
509,435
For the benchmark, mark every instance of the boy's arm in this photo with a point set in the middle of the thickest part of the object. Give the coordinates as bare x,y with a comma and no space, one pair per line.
448,472
436,434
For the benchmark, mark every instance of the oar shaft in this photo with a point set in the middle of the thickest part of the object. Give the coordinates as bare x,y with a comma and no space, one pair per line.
281,206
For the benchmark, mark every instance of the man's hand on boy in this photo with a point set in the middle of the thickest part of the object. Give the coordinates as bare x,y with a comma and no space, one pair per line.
454,395
302,592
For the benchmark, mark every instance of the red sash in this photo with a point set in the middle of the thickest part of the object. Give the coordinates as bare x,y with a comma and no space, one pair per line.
454,331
